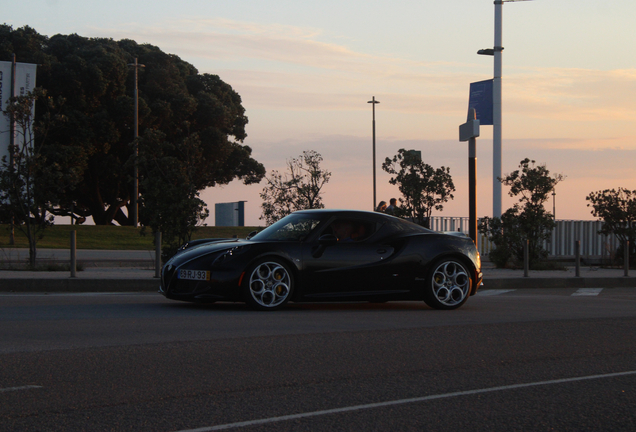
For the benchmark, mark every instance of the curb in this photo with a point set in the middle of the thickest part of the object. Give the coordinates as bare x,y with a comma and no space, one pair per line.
75,285
571,282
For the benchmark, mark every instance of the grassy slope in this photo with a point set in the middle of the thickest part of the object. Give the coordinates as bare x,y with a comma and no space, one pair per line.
110,237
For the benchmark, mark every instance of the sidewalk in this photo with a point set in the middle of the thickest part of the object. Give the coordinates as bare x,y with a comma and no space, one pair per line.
133,271
590,277
104,271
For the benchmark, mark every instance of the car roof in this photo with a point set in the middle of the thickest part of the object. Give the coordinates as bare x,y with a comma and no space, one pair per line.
377,216
344,211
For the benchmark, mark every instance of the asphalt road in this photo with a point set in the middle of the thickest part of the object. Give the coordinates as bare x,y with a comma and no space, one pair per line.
525,360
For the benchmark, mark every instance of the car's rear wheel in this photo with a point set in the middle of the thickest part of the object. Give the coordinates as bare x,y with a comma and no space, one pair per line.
268,284
448,284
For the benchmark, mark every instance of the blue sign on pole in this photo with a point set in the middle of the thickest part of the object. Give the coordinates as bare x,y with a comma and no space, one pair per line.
481,99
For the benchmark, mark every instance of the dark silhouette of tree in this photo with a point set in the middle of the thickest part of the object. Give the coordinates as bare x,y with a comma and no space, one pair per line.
527,220
29,183
617,209
423,187
93,75
171,203
298,189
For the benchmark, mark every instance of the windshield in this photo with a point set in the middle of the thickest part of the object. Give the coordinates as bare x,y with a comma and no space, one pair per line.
295,227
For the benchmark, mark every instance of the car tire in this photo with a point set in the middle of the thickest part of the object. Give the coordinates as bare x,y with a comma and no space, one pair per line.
448,284
268,284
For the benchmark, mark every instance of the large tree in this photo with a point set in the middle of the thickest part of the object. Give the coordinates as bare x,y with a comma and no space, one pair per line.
526,221
298,189
95,78
170,203
423,187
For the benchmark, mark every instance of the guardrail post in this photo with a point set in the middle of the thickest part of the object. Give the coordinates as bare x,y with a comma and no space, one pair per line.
158,254
577,249
526,258
73,253
626,257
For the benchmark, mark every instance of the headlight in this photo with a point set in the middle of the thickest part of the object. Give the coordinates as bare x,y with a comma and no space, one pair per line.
229,253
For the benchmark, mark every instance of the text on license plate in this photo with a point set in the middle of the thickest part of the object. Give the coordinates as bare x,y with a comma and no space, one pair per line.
194,275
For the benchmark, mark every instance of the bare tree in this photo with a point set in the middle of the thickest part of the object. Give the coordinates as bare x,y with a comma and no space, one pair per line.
298,189
24,185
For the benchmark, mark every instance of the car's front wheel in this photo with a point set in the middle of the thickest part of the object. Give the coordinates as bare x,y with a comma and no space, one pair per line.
268,285
448,284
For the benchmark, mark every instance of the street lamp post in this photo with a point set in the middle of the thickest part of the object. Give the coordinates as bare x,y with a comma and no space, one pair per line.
373,102
135,206
496,112
496,51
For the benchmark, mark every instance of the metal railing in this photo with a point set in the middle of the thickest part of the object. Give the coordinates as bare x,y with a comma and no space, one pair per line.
561,244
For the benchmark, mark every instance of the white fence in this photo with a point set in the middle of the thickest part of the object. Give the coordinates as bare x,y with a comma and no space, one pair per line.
561,244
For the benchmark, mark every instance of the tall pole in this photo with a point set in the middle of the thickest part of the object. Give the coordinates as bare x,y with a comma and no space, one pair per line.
496,112
12,143
373,102
134,211
496,106
469,131
472,182
12,131
135,207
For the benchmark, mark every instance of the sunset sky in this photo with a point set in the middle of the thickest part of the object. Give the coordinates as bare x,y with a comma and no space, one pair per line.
305,71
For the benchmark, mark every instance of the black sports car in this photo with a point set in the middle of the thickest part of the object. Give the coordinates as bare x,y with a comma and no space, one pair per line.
328,255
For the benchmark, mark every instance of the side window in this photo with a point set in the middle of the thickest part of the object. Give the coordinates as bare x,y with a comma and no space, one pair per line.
351,230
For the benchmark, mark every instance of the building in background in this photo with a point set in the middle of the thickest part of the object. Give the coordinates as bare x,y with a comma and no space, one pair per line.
229,214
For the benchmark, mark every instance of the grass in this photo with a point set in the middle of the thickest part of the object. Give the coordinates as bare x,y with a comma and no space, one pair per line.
109,237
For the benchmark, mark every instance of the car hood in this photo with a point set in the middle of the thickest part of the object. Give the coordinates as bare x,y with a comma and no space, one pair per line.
204,249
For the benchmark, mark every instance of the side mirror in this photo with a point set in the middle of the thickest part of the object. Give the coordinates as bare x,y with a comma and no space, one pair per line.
328,240
252,234
324,241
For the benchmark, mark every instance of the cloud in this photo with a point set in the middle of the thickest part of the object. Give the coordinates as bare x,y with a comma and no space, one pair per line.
232,40
574,94
285,67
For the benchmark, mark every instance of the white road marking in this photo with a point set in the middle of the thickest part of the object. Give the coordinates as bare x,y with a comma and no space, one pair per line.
588,292
402,402
27,387
492,292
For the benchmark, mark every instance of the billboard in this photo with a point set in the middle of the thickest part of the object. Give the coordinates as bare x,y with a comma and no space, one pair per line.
481,99
25,74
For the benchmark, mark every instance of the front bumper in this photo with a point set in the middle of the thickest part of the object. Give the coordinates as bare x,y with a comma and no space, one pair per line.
223,285
479,281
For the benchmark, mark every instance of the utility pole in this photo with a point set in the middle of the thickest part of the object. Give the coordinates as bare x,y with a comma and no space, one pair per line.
496,51
496,112
135,206
373,102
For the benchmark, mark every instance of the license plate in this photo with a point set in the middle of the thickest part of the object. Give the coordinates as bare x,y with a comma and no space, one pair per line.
200,275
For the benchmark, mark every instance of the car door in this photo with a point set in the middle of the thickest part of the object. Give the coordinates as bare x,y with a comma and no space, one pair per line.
346,267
